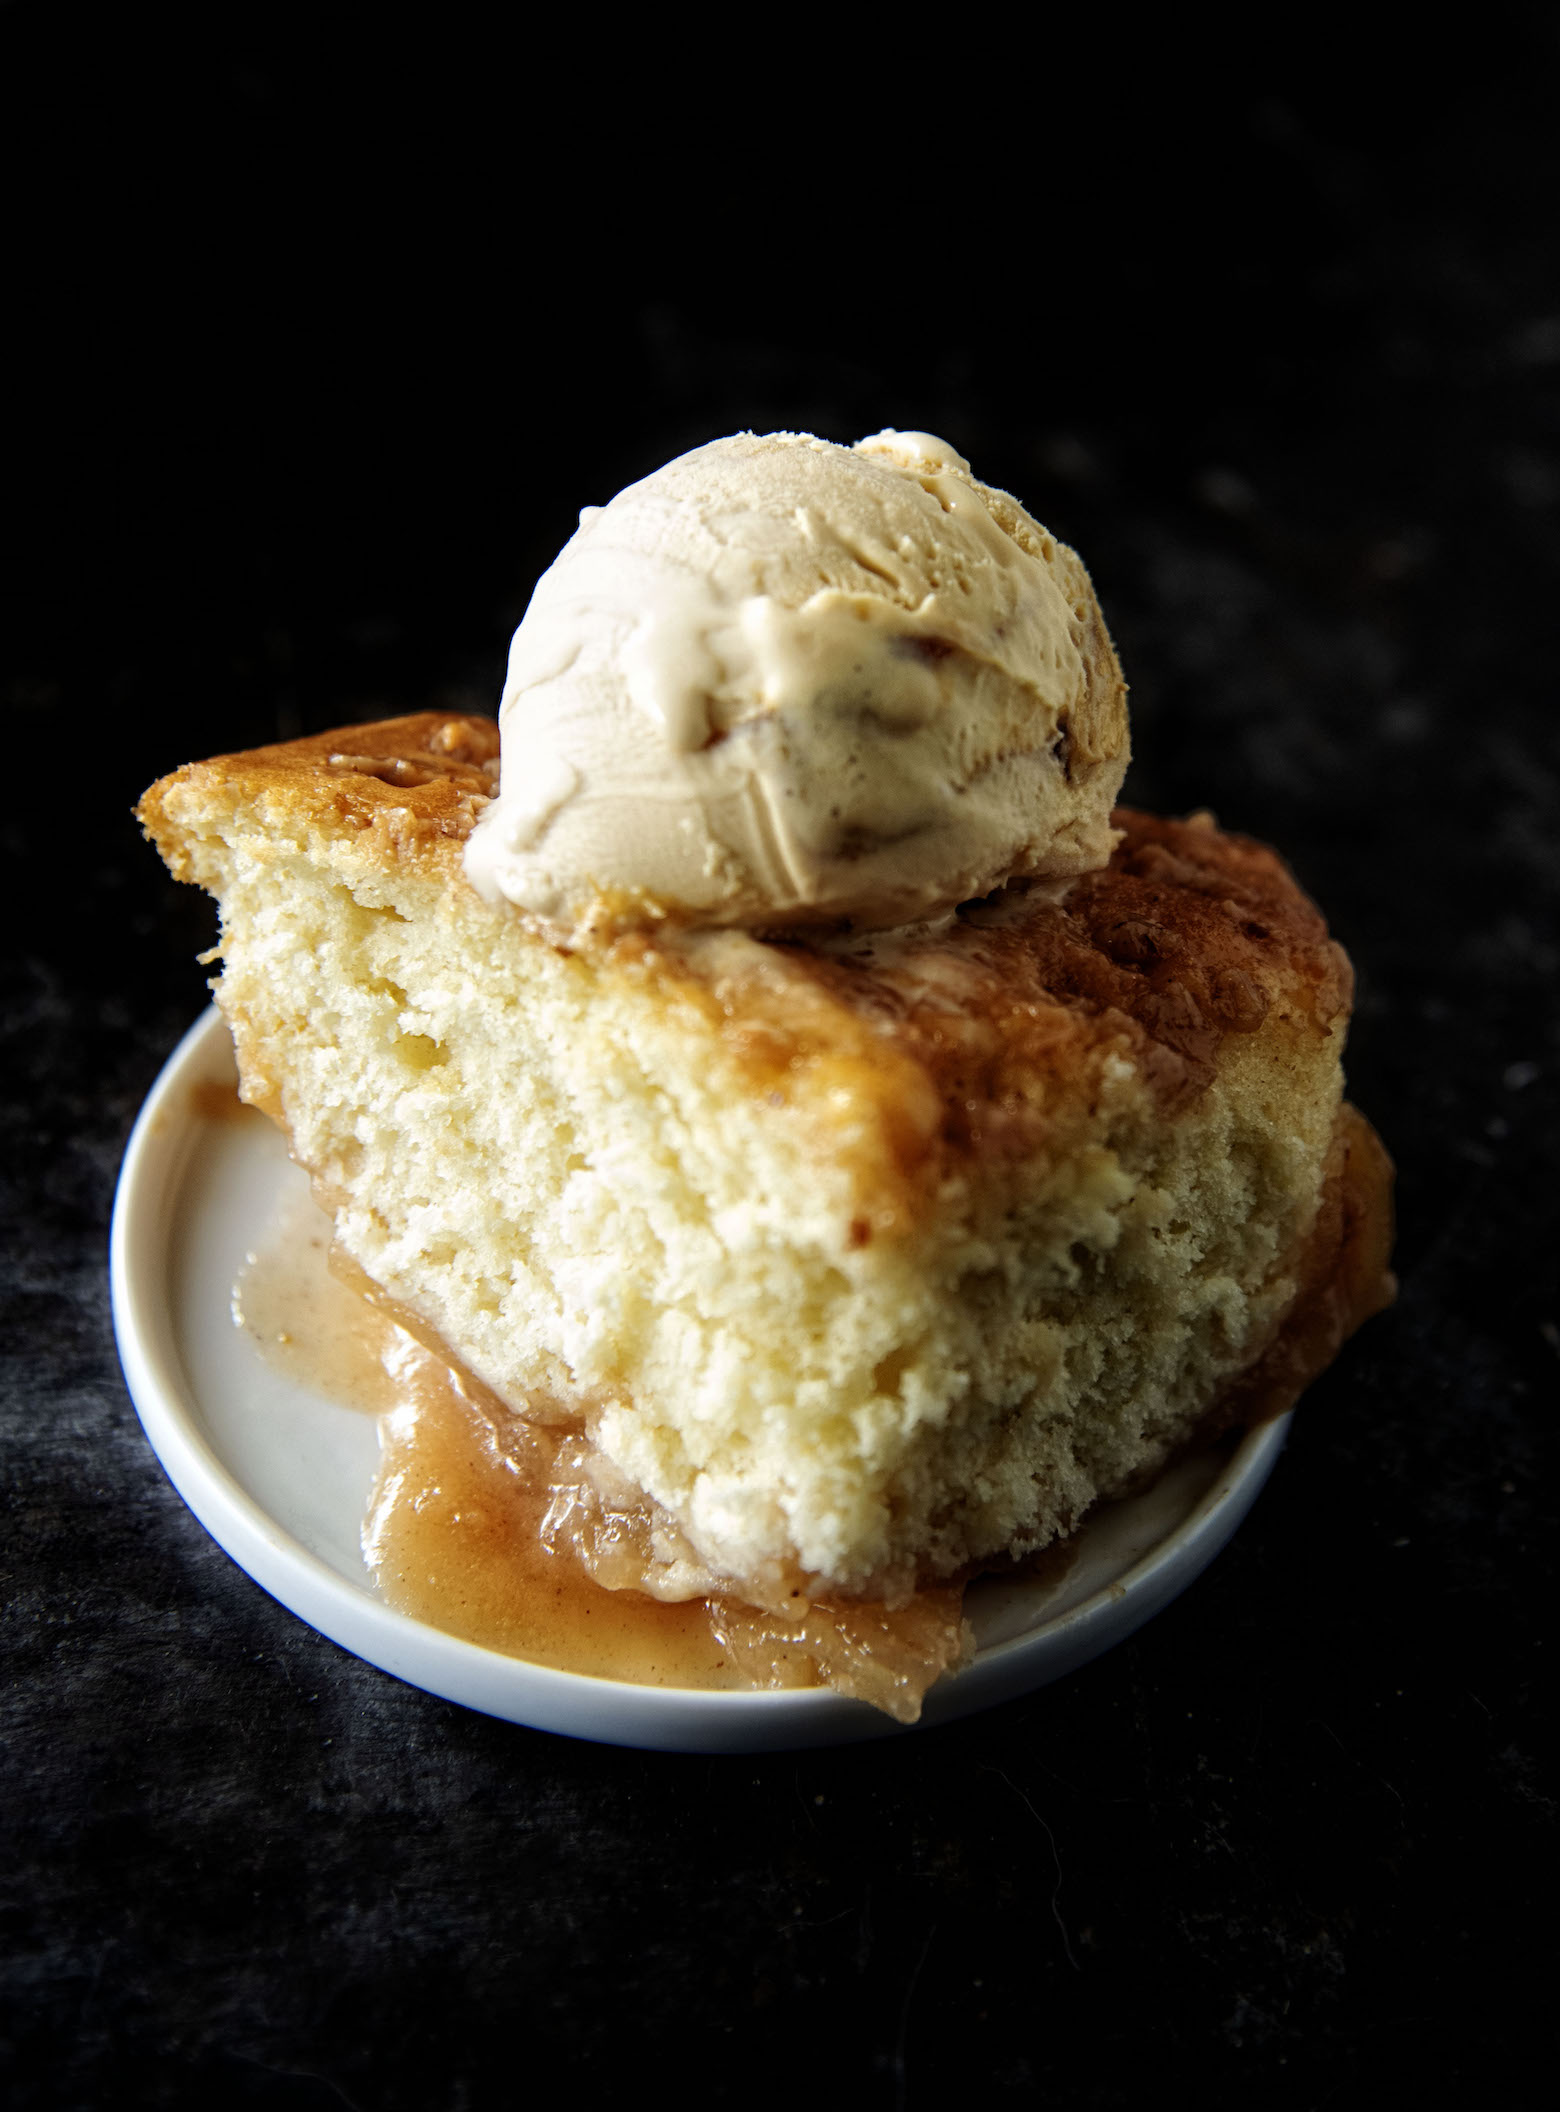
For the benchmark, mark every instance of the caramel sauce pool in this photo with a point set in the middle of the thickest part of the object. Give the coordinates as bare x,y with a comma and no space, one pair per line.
452,1532
452,1538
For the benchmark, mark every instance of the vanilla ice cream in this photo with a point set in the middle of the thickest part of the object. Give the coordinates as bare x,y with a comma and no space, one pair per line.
782,681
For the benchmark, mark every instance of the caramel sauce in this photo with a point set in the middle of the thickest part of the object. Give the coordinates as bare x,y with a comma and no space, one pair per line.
497,1530
454,1538
214,1100
486,1526
307,1323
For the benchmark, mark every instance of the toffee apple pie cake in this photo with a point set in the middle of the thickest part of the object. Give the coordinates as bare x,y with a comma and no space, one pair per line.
789,1084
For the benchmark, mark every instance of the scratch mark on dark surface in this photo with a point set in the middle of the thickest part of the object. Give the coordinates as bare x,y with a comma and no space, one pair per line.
1056,1890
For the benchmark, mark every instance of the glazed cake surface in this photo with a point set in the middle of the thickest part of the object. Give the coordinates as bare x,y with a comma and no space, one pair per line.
870,1260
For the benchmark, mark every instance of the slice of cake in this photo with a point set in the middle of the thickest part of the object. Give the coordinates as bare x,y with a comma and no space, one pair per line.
787,1082
870,1260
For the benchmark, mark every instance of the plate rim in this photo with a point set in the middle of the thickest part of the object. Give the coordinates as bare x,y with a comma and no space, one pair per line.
573,1704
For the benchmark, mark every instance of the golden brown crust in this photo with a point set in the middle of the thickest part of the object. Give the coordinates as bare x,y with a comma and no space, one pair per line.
974,1040
980,1044
1186,937
418,783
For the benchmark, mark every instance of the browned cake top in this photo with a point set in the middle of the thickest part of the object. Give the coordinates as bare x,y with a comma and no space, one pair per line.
981,1032
415,786
1187,936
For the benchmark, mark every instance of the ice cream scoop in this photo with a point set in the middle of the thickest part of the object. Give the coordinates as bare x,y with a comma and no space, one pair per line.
783,682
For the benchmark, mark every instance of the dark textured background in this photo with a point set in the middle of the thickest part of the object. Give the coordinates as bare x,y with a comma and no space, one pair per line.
317,351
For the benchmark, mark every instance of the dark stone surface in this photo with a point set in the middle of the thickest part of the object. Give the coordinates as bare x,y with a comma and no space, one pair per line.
294,434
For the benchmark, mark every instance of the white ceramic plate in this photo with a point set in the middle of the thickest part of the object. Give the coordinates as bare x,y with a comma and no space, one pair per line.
280,1476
